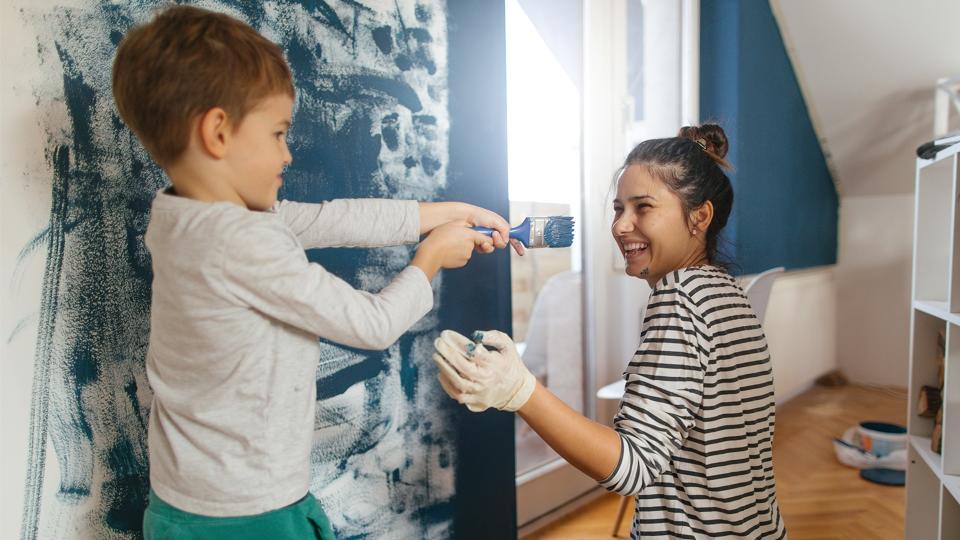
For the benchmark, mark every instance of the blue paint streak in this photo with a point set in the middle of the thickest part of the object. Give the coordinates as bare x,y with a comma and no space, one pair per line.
102,327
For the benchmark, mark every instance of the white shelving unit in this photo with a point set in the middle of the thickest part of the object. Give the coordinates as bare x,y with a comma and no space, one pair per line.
933,480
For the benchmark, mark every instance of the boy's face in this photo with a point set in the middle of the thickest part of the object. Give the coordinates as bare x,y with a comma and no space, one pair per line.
258,152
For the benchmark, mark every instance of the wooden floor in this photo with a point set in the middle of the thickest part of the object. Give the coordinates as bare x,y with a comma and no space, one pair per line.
819,498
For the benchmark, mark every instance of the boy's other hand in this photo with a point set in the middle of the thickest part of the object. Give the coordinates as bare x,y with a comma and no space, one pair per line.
435,214
481,217
450,246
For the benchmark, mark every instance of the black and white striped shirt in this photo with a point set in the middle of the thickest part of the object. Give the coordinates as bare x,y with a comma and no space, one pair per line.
696,421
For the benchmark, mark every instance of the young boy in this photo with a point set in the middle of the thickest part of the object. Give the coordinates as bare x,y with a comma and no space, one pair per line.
237,308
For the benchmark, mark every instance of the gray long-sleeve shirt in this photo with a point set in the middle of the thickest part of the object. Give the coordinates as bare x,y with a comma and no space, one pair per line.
237,310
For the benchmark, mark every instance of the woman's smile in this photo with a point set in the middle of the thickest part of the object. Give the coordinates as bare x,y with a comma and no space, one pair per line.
634,250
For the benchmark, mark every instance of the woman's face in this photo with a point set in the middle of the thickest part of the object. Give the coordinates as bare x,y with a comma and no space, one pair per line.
654,234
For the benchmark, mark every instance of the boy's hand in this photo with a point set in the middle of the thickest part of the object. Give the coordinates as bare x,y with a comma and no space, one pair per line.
450,246
433,215
482,217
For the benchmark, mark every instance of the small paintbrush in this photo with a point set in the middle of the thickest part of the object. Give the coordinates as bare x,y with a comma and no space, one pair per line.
538,232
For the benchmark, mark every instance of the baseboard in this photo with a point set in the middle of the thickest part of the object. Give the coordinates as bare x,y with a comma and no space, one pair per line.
562,511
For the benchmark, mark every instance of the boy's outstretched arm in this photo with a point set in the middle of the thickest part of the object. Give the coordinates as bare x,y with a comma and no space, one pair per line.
352,222
382,222
264,268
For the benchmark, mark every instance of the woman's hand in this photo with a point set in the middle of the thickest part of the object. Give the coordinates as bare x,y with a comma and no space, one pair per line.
434,214
480,378
483,373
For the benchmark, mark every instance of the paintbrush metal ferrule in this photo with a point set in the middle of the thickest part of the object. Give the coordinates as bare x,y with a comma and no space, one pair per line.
538,226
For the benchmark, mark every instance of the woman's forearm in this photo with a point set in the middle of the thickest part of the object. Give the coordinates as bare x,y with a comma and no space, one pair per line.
589,446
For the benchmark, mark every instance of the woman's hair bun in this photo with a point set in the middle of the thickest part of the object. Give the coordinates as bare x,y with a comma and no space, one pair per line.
711,138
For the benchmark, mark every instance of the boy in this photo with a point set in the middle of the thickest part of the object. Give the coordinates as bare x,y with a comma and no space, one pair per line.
236,307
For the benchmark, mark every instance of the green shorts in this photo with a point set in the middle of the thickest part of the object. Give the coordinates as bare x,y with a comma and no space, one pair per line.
302,519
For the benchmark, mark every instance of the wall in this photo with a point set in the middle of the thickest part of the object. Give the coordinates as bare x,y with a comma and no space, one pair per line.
801,317
394,100
867,71
485,504
786,204
801,325
873,288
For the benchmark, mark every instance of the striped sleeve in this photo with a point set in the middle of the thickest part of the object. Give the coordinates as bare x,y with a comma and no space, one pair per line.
664,392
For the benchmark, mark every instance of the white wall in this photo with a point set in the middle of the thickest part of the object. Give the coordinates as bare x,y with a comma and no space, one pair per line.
801,329
873,287
24,212
867,70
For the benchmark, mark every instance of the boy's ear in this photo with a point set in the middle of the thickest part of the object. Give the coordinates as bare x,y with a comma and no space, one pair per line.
215,132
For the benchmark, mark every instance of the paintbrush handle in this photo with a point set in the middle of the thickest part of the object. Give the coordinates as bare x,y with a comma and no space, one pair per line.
515,232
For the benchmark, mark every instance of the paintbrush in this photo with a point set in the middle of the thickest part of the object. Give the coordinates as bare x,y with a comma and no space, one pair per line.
538,232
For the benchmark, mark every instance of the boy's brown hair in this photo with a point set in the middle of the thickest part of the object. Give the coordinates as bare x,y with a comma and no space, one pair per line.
184,62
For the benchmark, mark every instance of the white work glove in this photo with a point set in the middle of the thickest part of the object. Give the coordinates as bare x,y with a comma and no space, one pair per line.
480,378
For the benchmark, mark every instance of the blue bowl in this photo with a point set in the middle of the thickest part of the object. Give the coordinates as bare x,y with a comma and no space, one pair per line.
881,438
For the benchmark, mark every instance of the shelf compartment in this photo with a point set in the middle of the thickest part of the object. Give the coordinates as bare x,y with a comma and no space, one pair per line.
951,402
951,483
923,494
920,448
934,249
924,366
949,512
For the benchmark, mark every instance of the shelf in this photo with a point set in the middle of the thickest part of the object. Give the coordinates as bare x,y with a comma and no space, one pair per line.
941,155
939,310
922,446
952,483
933,496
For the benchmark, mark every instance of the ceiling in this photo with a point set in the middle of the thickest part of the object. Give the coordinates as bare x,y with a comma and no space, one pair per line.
867,69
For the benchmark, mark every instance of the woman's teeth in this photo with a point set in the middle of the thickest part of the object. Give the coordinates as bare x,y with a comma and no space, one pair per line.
634,248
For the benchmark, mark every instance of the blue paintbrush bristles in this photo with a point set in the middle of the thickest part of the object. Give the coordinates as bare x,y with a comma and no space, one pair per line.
538,232
558,232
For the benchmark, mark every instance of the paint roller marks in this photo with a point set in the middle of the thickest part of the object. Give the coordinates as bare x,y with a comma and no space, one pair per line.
371,120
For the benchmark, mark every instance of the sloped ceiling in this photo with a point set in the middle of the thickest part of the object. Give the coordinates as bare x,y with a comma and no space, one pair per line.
867,69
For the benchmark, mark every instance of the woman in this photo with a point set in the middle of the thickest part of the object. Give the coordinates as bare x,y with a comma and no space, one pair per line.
693,437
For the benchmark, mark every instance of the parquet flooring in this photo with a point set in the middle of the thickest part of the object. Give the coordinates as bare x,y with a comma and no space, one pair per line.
819,498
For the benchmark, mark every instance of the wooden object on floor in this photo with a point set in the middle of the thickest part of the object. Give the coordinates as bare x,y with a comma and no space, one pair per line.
832,378
819,497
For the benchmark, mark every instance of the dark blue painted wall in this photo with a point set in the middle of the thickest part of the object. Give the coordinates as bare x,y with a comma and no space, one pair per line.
477,173
785,204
